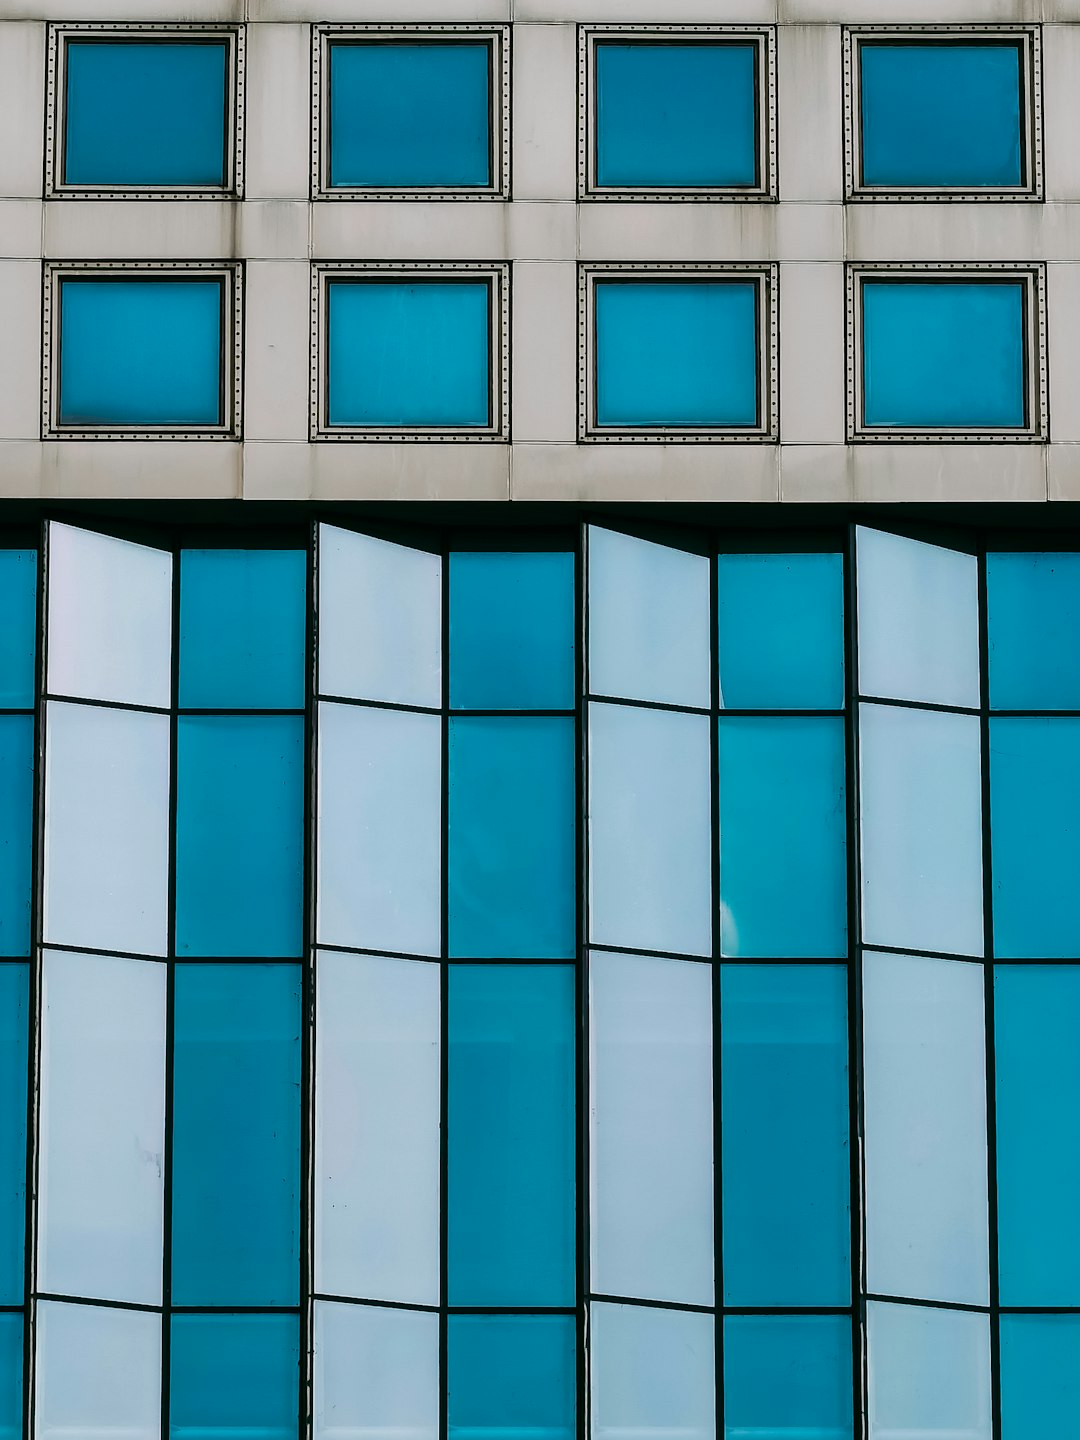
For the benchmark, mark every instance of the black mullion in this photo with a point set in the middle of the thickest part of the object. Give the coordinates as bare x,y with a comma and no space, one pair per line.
583,1189
444,1025
170,1012
718,1307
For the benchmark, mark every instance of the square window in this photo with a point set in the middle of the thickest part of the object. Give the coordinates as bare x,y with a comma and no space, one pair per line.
678,352
411,112
234,1375
144,110
511,1375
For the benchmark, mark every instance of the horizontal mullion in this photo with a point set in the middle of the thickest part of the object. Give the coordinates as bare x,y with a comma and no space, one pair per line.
897,704
48,695
928,1304
377,1304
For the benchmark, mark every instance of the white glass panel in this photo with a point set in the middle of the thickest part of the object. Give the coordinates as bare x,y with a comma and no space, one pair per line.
380,620
98,1373
376,1373
924,1044
377,1092
379,821
106,829
651,1152
102,1127
929,1373
652,1374
649,620
918,621
110,618
921,821
650,883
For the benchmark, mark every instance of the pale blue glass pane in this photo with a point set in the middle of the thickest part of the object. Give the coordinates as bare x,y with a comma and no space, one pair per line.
236,1135
1037,1063
1035,835
787,1377
780,631
410,115
140,352
510,1135
511,841
1040,1375
16,826
511,631
145,113
785,1135
234,1377
511,1377
940,114
242,623
783,836
239,835
13,1059
675,116
652,1373
939,355
18,606
1033,618
11,1376
410,353
929,1373
674,352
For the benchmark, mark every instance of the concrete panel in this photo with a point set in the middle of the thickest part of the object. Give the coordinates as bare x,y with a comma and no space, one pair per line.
904,12
645,472
408,472
720,230
816,474
22,107
193,10
274,229
140,229
1063,472
1061,109
544,352
141,469
674,12
20,349
812,354
404,230
20,469
20,229
277,162
544,122
810,116
891,473
1063,350
361,12
277,303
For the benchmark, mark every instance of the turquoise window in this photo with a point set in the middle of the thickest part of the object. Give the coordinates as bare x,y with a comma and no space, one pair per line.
14,1002
787,1376
16,831
511,1376
234,1376
11,1376
1040,1375
1033,619
18,606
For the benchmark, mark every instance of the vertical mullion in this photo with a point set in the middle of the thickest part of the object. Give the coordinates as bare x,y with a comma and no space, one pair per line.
582,1081
170,1005
717,1018
444,988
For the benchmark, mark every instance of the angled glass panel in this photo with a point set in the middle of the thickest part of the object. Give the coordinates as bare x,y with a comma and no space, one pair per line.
376,1373
14,1011
378,1096
787,1377
98,1373
1040,1375
11,1377
16,831
651,1373
511,1376
929,1373
18,632
651,1071
233,1376
925,1128
1033,620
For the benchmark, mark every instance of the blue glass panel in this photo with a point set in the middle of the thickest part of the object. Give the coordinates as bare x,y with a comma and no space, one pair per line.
510,1135
239,834
234,1377
145,113
674,116
410,115
943,354
785,1134
674,352
18,606
1040,1375
511,631
511,886
1035,835
783,836
11,1376
16,830
1033,617
1037,1026
787,1377
242,623
941,114
140,352
511,1377
14,986
409,353
236,1135
780,635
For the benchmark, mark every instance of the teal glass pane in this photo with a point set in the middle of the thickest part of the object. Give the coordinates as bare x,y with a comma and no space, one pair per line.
140,352
940,115
1033,619
787,1377
780,631
16,831
1037,1064
236,1135
676,116
18,606
783,836
510,1135
675,352
784,1083
234,1377
11,1376
946,354
1040,1375
511,1377
511,631
1035,836
511,838
146,112
242,625
14,1002
410,353
410,116
239,835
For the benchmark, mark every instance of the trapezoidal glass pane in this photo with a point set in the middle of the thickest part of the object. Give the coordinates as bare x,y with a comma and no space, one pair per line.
929,1373
651,1373
98,1373
376,1373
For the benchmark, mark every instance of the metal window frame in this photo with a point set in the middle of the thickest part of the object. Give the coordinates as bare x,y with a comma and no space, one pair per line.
1027,38
56,110
767,277
496,36
495,274
229,272
764,39
1032,275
